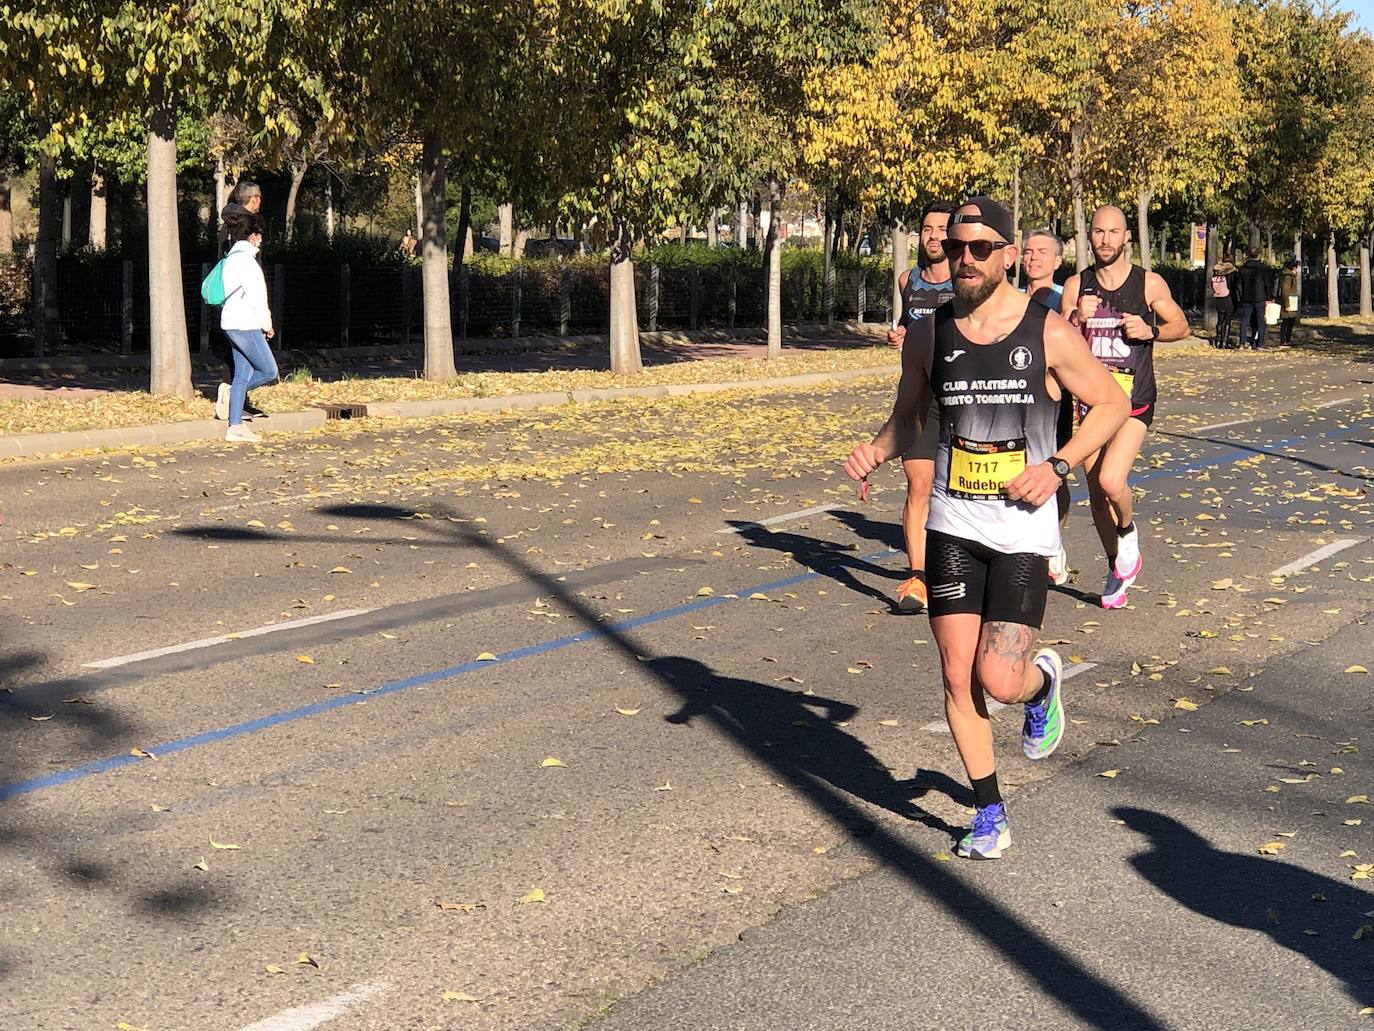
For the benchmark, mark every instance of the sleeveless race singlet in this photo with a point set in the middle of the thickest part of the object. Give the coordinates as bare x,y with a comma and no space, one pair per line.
920,298
1131,362
996,419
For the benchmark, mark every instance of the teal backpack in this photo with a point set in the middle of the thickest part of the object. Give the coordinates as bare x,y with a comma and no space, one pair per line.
212,287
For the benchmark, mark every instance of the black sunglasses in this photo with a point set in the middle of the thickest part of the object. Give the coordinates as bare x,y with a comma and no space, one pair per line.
981,250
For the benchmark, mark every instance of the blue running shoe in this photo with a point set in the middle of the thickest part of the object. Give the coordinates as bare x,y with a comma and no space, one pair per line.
990,834
1044,726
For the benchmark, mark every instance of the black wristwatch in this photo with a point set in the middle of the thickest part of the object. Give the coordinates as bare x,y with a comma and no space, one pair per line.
1060,467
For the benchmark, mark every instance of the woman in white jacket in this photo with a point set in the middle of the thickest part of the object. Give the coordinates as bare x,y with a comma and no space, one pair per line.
246,318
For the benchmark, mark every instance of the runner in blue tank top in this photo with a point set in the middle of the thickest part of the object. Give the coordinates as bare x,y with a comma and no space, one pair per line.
995,363
1123,311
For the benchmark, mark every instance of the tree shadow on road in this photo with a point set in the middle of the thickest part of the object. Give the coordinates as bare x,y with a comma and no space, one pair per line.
1253,893
798,731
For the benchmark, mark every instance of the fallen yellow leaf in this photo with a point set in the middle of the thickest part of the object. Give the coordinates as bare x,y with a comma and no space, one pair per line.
1348,669
551,761
486,657
272,968
460,997
305,659
141,753
627,712
535,895
224,846
1109,774
307,960
1185,705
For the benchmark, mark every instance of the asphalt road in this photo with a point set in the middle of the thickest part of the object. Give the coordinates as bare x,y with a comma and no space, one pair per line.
682,605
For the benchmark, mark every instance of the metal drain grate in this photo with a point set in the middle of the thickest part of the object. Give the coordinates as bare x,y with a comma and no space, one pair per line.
344,411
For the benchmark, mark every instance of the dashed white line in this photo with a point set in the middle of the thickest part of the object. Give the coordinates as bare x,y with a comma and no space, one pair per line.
210,642
784,518
941,727
1312,558
302,1018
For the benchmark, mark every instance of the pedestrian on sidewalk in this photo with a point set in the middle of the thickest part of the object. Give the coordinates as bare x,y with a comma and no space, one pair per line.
245,200
246,318
1223,287
1289,291
1254,289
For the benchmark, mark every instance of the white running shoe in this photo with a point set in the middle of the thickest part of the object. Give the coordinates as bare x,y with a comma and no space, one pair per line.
1059,567
1128,558
1114,590
222,403
241,433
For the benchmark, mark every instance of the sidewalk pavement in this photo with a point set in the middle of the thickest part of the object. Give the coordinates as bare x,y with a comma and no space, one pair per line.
1206,885
668,349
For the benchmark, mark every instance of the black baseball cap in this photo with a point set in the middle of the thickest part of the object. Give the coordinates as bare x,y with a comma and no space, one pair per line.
990,214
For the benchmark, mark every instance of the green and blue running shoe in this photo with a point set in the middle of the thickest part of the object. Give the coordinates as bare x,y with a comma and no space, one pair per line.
990,834
1044,726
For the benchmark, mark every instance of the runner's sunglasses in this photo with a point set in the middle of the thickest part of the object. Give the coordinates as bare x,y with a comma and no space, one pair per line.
980,250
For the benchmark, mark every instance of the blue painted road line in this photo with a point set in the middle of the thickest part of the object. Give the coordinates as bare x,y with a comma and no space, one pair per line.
117,762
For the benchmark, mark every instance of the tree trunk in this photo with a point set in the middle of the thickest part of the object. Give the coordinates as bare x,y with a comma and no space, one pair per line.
66,220
625,356
1082,254
98,231
742,226
522,237
298,170
506,213
1366,307
774,257
1297,250
1333,294
685,236
1255,237
465,220
329,207
434,262
1209,303
1164,244
828,262
224,189
1142,218
755,218
1269,244
901,262
170,354
1016,214
713,230
6,217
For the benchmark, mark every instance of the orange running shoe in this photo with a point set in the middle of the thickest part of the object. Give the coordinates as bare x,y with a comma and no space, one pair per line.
911,596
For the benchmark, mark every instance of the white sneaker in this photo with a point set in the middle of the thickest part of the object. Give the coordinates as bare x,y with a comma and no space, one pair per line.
241,433
1128,558
222,403
1059,567
1114,590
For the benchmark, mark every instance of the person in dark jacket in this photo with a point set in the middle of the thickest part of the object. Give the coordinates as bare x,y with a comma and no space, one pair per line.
1254,289
1288,298
1223,287
245,200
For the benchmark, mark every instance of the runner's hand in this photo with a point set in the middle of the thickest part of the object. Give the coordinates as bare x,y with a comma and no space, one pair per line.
1035,485
863,460
895,337
269,334
1136,328
1087,306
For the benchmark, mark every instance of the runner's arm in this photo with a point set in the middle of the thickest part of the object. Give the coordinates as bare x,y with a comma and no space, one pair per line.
909,410
1068,304
1173,324
1087,379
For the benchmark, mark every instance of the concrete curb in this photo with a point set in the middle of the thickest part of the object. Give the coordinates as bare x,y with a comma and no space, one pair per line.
32,445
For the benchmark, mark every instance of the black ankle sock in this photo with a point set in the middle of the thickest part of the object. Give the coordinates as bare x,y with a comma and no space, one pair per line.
985,792
1121,531
1044,691
919,574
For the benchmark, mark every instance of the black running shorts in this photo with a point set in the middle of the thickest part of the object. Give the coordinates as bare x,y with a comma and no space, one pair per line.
965,576
1063,426
927,439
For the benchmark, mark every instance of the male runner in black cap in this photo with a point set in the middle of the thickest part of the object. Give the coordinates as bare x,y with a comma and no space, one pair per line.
996,363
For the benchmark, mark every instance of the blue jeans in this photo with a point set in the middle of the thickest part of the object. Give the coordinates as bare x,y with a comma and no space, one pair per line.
253,366
1249,312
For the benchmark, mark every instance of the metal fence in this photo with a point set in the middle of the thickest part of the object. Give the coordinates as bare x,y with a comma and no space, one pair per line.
101,303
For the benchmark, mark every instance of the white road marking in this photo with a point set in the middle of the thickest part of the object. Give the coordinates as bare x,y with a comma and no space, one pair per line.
941,727
210,642
784,518
1314,557
302,1018
1248,422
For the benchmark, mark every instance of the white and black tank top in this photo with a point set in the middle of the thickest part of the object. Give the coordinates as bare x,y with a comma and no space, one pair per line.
996,419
